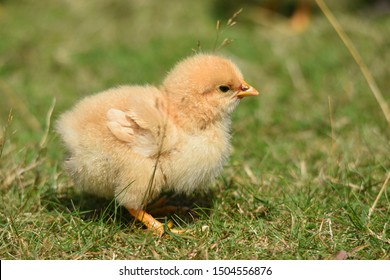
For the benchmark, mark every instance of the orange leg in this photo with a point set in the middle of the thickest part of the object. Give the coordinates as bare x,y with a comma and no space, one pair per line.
151,223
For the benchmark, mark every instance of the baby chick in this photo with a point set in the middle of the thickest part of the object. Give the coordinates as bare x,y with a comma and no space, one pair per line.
132,142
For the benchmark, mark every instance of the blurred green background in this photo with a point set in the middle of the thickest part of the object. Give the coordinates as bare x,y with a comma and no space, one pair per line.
312,148
67,49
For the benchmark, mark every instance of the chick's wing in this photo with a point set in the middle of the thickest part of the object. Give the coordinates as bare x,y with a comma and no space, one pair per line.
145,127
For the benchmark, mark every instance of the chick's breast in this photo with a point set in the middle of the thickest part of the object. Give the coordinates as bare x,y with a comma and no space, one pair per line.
197,159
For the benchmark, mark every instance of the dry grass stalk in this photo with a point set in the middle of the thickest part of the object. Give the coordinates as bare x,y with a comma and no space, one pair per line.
230,23
226,41
3,136
198,48
372,208
218,26
47,128
358,59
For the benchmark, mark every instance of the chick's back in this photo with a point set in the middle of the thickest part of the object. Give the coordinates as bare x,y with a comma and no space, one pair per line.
98,161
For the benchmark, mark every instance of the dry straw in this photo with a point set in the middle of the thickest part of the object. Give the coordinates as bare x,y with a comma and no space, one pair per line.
230,23
358,59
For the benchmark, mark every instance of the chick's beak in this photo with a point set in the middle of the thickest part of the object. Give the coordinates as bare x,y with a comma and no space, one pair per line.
246,90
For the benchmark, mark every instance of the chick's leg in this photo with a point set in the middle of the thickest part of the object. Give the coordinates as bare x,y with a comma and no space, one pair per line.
150,222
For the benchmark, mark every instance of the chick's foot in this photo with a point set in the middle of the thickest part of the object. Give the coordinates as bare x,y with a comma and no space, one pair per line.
152,224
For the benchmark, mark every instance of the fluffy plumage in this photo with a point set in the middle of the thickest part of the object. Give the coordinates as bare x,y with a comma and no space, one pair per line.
132,142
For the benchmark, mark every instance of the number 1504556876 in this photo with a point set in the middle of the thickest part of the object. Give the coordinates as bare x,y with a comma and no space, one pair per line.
242,270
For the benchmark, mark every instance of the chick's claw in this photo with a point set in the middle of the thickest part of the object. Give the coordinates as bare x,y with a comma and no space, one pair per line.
152,224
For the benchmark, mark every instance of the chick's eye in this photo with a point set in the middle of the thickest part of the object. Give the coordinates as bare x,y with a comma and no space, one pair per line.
224,88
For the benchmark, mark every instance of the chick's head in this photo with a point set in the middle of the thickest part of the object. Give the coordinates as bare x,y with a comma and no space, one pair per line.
207,86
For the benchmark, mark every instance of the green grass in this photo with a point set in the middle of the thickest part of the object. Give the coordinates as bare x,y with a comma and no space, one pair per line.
311,154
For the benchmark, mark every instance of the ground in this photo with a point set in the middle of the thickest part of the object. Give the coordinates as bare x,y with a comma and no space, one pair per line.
310,157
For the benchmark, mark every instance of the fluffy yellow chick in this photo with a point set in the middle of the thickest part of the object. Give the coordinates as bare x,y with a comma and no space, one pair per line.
132,142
